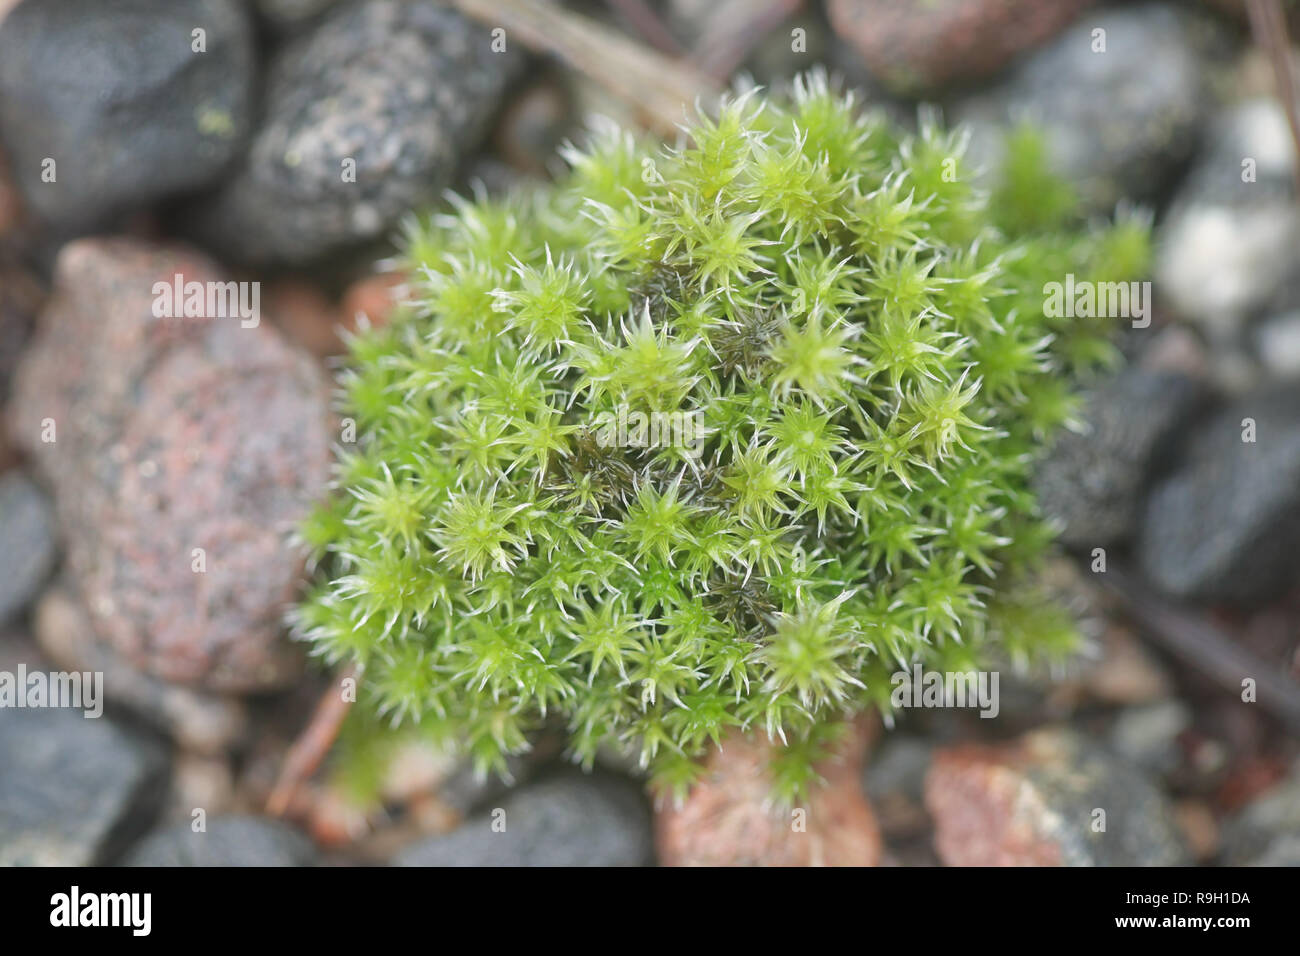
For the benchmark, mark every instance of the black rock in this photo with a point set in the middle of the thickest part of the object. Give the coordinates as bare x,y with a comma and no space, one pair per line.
166,433
894,782
567,820
1116,122
1225,526
117,96
1093,482
73,790
27,548
367,117
225,841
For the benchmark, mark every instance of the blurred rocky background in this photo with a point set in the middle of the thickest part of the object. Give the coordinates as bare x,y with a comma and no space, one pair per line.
206,138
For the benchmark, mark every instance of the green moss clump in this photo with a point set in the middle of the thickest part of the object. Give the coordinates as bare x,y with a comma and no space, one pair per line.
855,342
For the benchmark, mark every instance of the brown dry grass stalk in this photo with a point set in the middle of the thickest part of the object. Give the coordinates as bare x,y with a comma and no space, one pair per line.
311,746
661,88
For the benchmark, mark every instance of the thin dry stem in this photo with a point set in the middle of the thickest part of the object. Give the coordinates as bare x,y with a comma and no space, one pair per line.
662,89
309,750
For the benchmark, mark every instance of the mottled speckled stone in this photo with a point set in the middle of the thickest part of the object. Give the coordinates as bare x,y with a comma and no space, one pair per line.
1034,802
729,818
172,435
402,89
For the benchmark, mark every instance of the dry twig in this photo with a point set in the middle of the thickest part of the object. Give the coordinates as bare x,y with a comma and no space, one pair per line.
734,29
1204,647
311,746
647,24
659,87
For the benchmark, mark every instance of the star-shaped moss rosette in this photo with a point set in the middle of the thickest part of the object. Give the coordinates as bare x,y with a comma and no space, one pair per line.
855,335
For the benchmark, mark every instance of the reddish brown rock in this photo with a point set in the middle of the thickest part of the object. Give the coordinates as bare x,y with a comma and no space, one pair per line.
374,297
331,817
914,47
728,818
185,451
1048,799
306,315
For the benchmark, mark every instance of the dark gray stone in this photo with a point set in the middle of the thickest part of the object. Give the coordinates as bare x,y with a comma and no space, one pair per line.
27,548
1093,482
174,436
898,766
894,782
401,89
226,841
115,94
566,820
1225,526
73,790
467,790
1116,122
